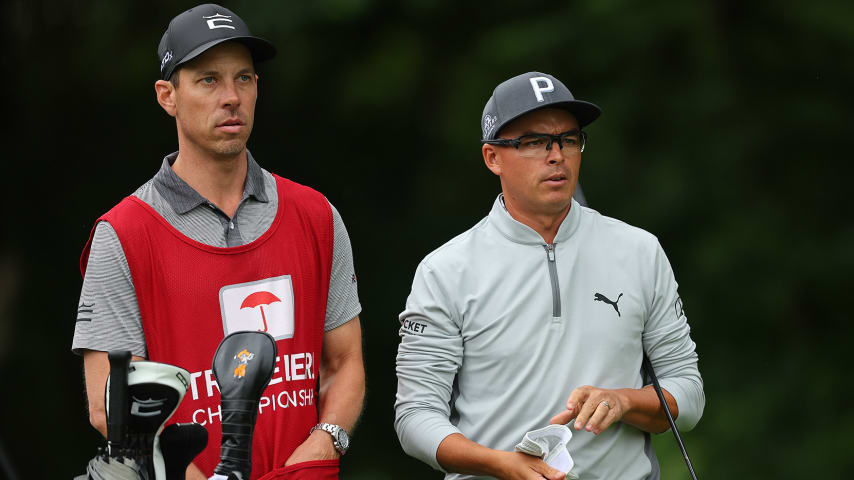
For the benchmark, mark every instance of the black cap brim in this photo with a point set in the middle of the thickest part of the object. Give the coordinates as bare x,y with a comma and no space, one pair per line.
259,48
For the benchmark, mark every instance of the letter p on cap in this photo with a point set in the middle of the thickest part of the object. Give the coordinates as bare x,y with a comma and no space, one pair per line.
539,88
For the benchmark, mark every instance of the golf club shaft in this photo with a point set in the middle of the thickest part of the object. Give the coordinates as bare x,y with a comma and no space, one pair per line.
118,406
647,365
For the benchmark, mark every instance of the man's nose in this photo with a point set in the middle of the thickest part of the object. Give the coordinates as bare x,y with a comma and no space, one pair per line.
230,99
554,153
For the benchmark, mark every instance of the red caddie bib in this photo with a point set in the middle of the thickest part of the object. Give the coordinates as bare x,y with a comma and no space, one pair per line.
191,295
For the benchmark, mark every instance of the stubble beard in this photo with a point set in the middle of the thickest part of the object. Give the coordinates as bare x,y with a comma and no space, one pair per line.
229,148
217,148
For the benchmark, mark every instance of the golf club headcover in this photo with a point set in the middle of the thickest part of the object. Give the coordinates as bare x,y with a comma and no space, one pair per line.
155,391
179,444
116,401
243,366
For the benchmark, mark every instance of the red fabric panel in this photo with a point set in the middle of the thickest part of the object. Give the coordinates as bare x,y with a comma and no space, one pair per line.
313,470
181,287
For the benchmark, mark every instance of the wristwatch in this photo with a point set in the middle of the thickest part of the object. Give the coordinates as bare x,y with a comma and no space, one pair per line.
340,439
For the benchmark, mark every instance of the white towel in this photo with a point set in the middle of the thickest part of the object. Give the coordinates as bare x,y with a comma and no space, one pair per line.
549,443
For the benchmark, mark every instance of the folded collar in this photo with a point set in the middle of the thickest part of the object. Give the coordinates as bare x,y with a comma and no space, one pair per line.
183,198
518,232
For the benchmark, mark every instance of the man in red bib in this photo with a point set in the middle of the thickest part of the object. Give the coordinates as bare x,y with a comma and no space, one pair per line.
214,244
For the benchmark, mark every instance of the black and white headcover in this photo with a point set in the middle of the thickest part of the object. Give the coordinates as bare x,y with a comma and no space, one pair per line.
154,390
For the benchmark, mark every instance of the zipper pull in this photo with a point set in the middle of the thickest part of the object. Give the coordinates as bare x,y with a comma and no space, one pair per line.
551,248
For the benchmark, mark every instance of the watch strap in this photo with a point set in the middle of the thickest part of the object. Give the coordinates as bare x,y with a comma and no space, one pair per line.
332,430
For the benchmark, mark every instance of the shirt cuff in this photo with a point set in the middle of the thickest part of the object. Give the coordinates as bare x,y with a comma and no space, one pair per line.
689,398
420,438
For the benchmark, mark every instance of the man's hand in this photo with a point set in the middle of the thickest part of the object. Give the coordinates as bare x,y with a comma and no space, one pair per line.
342,389
637,407
96,369
594,409
521,466
193,473
456,453
318,446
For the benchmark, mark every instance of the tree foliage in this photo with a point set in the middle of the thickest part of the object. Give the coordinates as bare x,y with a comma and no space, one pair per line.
725,131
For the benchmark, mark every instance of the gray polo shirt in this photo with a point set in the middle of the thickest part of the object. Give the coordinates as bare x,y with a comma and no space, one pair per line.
108,315
500,328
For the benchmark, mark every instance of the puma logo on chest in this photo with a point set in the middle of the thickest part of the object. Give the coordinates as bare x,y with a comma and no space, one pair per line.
598,297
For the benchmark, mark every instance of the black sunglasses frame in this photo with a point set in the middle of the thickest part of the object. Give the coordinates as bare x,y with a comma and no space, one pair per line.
516,142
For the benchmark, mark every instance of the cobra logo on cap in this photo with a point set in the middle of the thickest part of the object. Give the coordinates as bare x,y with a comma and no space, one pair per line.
213,19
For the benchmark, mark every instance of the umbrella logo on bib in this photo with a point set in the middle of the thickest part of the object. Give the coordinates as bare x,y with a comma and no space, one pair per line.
259,299
243,358
265,305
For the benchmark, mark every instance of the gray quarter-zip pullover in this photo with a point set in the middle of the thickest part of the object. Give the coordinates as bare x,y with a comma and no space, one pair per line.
501,327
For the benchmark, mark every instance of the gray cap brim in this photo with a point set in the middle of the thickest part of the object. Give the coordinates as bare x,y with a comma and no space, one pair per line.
584,112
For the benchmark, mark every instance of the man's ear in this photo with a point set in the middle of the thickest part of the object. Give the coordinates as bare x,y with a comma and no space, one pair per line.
490,158
165,96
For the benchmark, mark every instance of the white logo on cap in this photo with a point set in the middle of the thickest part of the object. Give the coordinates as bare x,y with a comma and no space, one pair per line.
166,57
538,89
488,124
219,18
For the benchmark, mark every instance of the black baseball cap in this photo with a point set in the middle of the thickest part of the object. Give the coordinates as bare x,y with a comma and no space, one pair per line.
193,32
526,93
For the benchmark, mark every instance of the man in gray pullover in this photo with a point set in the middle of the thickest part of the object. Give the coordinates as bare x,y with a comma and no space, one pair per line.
541,313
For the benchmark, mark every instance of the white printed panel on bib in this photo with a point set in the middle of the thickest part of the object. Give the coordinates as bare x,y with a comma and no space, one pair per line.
263,305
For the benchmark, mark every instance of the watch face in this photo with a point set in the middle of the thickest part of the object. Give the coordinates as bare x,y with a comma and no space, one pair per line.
343,439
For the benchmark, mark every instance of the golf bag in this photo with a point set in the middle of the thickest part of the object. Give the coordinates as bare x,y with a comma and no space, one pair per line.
179,444
140,397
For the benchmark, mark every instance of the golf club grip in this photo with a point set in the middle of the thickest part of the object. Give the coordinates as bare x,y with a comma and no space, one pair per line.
647,366
118,394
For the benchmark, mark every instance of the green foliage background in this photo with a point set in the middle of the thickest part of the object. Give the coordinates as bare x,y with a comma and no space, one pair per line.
726,132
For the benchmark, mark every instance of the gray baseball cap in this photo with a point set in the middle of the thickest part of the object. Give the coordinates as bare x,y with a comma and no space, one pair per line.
193,32
526,93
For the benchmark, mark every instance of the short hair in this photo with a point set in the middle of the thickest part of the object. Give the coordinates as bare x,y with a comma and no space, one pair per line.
173,78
